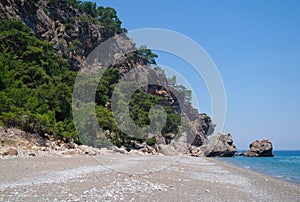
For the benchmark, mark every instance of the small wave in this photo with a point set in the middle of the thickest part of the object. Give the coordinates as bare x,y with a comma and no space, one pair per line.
287,178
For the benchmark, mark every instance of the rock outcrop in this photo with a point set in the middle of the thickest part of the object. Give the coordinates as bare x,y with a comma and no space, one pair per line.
72,32
202,127
220,145
263,148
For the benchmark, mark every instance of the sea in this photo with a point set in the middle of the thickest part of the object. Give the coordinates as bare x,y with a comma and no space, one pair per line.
285,165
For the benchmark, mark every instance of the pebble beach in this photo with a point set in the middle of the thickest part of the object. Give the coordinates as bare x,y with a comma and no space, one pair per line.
119,177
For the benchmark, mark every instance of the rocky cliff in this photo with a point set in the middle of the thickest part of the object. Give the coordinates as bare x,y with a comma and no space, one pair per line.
71,28
75,29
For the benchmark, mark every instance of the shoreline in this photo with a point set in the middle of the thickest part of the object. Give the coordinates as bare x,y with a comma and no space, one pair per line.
282,166
230,164
107,177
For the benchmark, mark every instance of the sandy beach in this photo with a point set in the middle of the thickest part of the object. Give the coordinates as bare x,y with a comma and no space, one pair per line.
116,177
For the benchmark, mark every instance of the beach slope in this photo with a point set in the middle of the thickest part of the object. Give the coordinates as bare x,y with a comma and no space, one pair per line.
115,177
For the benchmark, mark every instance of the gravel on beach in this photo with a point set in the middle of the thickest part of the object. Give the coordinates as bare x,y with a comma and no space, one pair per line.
116,177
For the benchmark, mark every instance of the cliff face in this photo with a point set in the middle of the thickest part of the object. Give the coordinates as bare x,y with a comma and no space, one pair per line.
76,29
73,32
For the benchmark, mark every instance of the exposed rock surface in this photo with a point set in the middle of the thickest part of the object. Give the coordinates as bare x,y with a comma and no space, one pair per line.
15,142
222,145
58,23
177,146
203,127
263,148
8,151
219,145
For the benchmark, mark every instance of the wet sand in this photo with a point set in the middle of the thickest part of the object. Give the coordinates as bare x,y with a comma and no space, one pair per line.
116,177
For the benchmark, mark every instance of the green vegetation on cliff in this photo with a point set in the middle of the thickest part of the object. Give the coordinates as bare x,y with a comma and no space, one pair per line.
107,16
36,83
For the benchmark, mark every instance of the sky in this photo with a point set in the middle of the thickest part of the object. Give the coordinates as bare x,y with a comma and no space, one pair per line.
255,46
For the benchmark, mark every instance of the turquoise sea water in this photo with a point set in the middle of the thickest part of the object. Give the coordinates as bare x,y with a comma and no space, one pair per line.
284,165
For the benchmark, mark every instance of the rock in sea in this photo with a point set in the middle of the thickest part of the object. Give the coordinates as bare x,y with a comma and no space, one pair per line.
263,148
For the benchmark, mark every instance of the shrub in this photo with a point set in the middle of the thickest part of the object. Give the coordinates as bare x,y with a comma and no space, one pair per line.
151,141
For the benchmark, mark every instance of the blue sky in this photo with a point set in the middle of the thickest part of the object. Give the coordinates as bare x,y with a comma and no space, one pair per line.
256,48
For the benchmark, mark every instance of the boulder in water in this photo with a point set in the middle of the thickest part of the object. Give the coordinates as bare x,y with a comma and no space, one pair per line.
263,148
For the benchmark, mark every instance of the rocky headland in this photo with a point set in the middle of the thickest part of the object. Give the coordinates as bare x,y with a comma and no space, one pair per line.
74,29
